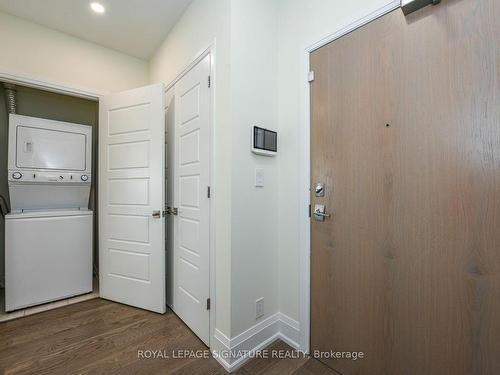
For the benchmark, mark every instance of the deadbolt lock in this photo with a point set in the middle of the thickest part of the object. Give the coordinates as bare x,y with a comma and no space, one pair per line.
319,190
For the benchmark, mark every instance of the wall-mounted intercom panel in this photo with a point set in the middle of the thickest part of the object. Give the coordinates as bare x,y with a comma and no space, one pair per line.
264,141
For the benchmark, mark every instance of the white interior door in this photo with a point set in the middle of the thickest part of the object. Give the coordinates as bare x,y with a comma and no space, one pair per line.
169,183
191,283
131,198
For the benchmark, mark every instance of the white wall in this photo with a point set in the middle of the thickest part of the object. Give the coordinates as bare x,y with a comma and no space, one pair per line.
301,24
254,210
245,95
35,51
204,22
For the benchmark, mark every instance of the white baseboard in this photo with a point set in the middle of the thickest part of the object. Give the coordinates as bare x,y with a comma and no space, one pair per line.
233,353
290,331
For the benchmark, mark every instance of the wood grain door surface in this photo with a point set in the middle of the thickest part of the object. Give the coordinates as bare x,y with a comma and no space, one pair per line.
405,134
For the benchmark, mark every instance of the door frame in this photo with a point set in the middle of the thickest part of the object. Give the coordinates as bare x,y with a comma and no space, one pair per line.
364,17
209,50
51,86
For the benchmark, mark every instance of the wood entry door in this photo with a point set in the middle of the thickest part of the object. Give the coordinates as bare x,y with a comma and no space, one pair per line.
405,135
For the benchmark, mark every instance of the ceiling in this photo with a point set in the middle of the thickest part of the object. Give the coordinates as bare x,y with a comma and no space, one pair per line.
135,27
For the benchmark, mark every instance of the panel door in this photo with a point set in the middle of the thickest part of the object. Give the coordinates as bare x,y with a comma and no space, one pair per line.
131,198
191,183
170,192
405,136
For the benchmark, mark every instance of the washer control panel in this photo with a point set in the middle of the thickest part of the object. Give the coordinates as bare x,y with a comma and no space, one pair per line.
48,177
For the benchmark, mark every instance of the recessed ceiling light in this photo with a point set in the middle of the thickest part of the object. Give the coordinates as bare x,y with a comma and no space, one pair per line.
98,8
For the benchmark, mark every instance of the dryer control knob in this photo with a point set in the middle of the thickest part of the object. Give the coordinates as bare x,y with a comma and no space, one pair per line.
17,175
84,177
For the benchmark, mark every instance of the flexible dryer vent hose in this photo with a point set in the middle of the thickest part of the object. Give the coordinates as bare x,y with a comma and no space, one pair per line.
11,97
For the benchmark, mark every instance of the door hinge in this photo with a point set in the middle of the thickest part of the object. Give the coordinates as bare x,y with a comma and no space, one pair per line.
310,76
208,303
209,81
209,193
309,210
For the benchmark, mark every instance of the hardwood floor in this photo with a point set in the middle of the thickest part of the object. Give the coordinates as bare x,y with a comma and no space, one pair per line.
102,337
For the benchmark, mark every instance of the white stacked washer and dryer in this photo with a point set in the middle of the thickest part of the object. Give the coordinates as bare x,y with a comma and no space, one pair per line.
48,234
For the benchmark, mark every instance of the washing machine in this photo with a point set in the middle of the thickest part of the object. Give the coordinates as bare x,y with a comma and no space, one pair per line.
48,234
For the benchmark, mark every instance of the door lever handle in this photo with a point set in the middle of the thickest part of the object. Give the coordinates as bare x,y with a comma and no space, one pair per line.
320,212
156,214
172,211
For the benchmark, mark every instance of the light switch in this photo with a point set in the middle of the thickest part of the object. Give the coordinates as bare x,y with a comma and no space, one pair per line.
259,177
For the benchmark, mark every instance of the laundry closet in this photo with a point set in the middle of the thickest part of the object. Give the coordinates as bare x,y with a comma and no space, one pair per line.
48,196
88,196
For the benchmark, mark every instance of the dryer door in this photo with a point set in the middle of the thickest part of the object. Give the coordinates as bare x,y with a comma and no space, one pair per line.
39,148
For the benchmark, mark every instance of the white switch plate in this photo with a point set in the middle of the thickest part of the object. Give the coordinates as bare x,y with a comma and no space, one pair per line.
259,308
259,177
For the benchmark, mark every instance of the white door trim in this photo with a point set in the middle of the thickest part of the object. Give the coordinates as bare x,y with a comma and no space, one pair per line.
50,86
209,50
196,59
365,17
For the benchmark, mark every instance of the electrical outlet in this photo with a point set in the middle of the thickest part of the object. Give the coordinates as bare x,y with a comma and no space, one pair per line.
259,308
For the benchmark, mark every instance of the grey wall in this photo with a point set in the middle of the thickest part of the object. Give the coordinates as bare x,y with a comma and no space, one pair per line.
38,103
